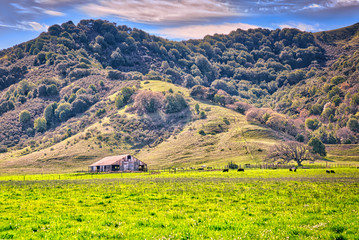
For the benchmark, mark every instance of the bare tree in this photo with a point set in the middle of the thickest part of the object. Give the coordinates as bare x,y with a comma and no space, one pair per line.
290,151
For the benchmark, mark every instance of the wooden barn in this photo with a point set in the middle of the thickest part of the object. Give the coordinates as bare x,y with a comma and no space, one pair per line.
118,164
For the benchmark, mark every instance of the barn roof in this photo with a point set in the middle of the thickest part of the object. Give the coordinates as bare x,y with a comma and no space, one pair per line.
108,160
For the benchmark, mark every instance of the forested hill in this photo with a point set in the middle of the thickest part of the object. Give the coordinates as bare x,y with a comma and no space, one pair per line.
71,68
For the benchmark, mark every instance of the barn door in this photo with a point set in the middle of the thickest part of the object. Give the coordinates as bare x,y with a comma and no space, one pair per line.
125,166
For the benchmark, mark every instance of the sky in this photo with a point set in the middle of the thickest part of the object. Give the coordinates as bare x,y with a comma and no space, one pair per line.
22,20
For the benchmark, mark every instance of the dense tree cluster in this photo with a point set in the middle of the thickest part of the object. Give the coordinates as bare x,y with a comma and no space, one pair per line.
147,101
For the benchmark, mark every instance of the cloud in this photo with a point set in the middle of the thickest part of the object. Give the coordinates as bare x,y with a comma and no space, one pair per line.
313,6
36,26
54,2
161,11
53,13
343,3
199,31
301,26
26,26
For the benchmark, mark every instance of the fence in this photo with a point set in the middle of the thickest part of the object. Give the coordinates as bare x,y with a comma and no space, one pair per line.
254,166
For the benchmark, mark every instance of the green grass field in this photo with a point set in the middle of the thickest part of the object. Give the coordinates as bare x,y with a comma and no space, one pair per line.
255,204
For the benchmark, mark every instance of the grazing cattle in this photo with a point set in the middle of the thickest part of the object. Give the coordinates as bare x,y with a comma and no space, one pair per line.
225,170
332,171
290,169
327,171
240,170
293,169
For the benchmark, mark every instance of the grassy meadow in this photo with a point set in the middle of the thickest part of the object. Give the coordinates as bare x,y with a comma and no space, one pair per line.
255,204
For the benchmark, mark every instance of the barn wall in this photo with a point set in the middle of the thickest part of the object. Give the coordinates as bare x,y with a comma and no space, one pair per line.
124,164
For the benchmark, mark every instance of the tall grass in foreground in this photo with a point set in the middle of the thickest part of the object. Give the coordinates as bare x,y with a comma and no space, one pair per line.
257,204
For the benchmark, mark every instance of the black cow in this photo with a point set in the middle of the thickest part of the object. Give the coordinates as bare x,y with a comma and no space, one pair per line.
332,171
327,171
240,170
225,170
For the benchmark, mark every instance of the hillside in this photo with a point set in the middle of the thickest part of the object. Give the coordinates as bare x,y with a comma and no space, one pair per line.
227,137
80,92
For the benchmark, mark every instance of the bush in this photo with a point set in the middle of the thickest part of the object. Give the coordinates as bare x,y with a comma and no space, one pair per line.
40,124
79,73
115,75
232,165
63,111
174,103
201,132
93,88
52,90
317,146
196,107
3,149
6,106
49,113
337,80
202,115
316,109
335,91
124,97
100,112
355,99
24,117
300,138
242,107
353,125
148,102
78,106
312,124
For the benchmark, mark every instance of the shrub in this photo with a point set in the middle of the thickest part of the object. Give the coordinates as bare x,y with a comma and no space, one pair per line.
79,73
300,138
24,117
63,111
77,106
174,103
335,91
317,146
72,98
148,102
196,107
353,125
49,113
312,124
40,124
3,149
115,75
124,97
6,106
337,80
316,109
24,87
93,88
232,165
52,90
100,112
202,115
201,132
345,134
355,99
242,107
